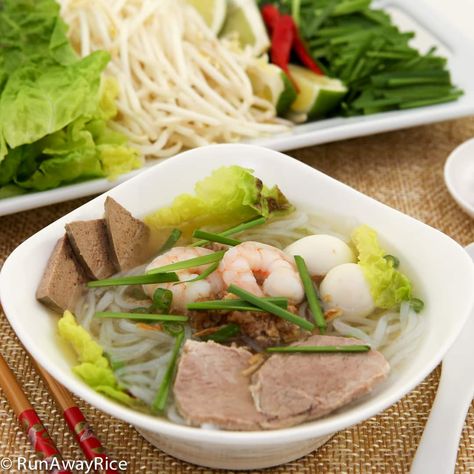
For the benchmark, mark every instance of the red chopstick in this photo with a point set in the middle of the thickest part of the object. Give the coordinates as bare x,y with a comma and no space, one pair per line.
39,438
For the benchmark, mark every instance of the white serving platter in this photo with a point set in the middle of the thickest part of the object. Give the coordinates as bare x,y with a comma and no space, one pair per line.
415,15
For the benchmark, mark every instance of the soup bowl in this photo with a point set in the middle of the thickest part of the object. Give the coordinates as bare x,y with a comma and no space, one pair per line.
440,269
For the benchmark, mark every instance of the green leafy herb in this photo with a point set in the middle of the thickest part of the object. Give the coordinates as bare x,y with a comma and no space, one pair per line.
142,316
211,237
161,398
271,307
174,236
135,280
224,333
315,349
235,230
234,304
190,263
311,296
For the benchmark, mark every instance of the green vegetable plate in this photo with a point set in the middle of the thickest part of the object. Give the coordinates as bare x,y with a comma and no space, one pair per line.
431,30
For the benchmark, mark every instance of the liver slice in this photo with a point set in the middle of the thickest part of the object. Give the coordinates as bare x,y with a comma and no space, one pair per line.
90,243
210,387
292,388
129,237
63,280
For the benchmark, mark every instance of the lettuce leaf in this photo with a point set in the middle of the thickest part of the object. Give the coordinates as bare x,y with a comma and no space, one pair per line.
93,368
231,194
389,286
55,108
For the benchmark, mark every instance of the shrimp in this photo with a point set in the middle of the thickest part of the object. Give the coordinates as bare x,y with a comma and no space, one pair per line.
262,270
184,293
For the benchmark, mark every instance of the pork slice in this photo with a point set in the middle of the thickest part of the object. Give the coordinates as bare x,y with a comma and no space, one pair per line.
63,281
129,237
90,244
292,388
210,387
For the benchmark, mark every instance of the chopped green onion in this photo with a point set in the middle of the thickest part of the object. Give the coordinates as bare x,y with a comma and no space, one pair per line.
234,304
211,237
147,279
210,269
348,348
391,258
173,329
190,263
311,294
271,308
159,403
162,299
417,305
235,230
170,241
224,333
142,316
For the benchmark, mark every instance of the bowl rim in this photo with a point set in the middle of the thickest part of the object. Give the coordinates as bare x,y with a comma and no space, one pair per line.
164,427
449,168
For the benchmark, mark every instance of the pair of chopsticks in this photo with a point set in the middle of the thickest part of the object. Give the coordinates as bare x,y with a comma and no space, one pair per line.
41,441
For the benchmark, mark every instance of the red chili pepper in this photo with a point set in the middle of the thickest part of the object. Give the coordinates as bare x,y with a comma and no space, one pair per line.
282,41
270,15
302,53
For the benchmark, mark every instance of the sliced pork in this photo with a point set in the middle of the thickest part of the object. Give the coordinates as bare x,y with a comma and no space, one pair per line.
289,389
63,280
91,246
128,236
210,387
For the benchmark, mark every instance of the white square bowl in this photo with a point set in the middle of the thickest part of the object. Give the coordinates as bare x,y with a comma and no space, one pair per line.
443,274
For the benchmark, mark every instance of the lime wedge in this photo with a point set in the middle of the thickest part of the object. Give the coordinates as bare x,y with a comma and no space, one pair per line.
244,20
271,83
317,94
212,11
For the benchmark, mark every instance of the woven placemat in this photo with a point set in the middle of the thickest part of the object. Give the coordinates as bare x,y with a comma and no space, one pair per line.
402,169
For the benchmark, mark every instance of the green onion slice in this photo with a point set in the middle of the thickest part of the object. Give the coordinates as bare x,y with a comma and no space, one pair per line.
159,403
190,263
147,279
235,304
417,305
142,316
235,230
315,349
270,307
223,334
170,241
212,237
162,299
393,259
311,294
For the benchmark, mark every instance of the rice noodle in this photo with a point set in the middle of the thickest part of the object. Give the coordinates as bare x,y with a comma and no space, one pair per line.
144,354
180,86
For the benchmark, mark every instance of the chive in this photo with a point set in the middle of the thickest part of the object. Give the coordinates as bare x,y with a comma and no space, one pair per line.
295,10
161,397
210,269
349,348
135,280
141,310
234,304
311,294
235,230
224,333
417,305
162,299
211,237
142,316
270,307
192,262
391,258
170,241
424,103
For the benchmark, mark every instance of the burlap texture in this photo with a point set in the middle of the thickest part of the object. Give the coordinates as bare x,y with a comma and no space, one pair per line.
403,169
